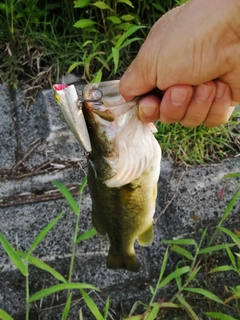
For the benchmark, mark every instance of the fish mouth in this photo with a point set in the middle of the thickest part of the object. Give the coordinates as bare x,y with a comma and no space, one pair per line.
105,100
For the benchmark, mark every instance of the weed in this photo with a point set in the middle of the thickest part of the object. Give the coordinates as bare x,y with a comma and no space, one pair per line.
97,39
185,275
22,260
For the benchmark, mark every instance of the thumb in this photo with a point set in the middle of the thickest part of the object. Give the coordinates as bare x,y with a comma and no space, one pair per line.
135,80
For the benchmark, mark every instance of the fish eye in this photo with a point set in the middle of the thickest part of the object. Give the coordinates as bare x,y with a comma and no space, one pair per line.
96,94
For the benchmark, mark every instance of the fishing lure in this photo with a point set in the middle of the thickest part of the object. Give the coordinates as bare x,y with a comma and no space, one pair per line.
71,107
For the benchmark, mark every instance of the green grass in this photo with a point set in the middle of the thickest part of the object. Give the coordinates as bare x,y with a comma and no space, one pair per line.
22,260
189,287
200,145
90,37
40,41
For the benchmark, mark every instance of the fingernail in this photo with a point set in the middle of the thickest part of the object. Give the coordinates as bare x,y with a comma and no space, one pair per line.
148,111
178,96
221,88
202,93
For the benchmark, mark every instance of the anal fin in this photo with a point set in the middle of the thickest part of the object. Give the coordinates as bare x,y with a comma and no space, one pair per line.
146,238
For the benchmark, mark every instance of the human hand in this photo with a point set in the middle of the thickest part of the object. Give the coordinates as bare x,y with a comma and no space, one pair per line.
192,54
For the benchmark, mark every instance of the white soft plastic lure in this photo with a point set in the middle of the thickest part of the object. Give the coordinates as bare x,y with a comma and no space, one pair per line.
67,99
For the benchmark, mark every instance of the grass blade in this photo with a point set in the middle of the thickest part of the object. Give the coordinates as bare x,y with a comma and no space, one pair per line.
106,308
163,267
232,175
179,283
235,296
68,196
83,184
97,77
222,268
128,33
202,238
67,307
170,305
164,264
137,317
229,207
4,315
42,234
128,42
44,266
188,242
205,293
216,248
159,7
219,315
86,235
187,308
231,257
13,255
182,252
152,315
80,314
194,273
74,66
60,287
173,275
91,305
115,53
134,308
234,237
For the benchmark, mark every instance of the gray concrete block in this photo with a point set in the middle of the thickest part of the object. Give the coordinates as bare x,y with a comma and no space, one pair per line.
42,124
7,133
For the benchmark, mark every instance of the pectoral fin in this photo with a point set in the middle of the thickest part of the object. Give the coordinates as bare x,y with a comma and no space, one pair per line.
146,238
122,261
135,184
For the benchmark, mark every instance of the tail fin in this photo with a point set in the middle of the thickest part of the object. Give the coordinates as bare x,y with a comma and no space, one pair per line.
120,261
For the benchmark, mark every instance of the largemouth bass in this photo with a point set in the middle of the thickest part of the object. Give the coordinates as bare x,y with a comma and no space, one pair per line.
123,171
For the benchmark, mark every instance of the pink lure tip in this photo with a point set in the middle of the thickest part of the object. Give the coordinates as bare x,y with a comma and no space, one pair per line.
59,87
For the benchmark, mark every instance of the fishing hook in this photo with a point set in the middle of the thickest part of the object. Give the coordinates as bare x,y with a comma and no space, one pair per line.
81,100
